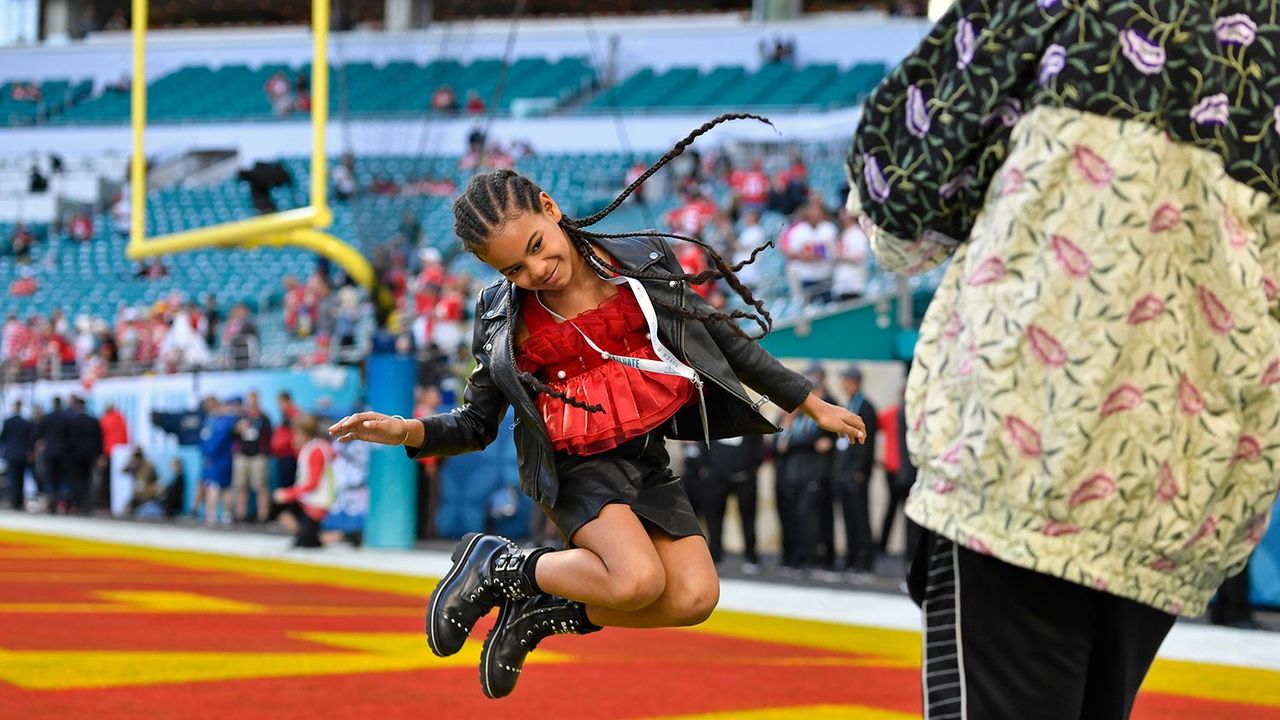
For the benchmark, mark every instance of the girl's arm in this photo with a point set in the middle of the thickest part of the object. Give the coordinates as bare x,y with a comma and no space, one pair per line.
465,429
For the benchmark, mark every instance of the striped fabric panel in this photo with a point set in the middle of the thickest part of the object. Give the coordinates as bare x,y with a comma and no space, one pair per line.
943,666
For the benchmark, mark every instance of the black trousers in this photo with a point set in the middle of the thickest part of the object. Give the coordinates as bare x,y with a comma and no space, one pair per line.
717,487
1005,642
897,496
308,535
15,476
851,491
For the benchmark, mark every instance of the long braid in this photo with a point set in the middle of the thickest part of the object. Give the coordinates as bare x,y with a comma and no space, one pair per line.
492,200
670,155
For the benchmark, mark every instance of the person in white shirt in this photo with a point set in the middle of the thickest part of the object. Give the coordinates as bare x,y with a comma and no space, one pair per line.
810,246
850,280
751,237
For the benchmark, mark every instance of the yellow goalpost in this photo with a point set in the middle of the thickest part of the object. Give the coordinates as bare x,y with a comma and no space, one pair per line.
302,227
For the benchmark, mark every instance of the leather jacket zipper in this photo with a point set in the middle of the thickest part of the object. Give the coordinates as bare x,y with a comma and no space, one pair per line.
535,492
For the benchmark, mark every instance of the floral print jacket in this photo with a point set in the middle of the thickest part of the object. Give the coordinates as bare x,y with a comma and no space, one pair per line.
1096,391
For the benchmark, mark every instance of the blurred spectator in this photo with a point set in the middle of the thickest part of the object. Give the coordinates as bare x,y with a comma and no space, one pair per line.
278,95
25,285
1232,607
410,229
633,174
146,482
751,237
26,92
283,448
182,347
87,24
732,467
307,501
121,212
809,246
344,178
116,22
115,432
209,320
216,440
37,182
750,187
85,341
851,477
430,186
427,402
240,338
382,185
444,99
16,449
21,242
891,460
690,217
852,259
122,85
346,316
80,228
83,447
174,495
302,93
475,104
13,337
249,468
721,234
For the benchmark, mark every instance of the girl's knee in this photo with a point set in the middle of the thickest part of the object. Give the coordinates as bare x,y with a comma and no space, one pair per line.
694,603
639,587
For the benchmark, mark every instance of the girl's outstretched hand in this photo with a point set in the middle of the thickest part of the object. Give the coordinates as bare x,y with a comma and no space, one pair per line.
834,418
372,427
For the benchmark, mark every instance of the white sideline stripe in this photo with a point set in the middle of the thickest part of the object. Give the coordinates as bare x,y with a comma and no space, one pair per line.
1195,643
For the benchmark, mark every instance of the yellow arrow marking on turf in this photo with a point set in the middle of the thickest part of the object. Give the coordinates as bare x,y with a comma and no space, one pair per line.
357,653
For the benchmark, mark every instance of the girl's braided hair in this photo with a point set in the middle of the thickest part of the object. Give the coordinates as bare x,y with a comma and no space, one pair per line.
491,200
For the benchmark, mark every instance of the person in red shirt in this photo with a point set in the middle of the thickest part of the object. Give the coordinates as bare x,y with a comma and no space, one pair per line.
475,104
307,501
750,187
891,461
115,432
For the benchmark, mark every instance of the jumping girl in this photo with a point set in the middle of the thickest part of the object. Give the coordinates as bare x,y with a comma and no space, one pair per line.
604,351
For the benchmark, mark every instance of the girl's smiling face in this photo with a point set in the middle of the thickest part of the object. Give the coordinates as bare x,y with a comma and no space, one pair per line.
532,251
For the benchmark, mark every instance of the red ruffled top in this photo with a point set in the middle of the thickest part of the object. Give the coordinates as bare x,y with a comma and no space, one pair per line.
634,401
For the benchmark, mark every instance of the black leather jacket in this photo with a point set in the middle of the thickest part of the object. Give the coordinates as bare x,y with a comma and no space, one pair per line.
723,359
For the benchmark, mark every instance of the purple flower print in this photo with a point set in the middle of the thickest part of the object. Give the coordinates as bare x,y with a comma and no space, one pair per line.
1146,56
917,113
1238,29
1052,63
1008,112
966,43
1276,126
1047,4
877,185
1212,110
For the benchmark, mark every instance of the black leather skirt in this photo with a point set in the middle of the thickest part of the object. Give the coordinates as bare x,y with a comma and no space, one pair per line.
637,473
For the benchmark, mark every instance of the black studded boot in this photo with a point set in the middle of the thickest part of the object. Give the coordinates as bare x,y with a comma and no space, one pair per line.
521,625
487,570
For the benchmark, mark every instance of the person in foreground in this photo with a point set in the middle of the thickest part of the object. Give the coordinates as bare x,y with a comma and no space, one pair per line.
1094,404
604,351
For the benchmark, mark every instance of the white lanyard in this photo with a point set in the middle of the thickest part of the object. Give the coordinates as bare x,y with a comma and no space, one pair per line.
668,364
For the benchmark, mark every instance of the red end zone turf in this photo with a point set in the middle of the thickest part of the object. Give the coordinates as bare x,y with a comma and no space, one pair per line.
92,630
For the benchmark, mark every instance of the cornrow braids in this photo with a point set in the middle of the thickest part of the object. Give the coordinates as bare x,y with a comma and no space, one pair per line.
491,200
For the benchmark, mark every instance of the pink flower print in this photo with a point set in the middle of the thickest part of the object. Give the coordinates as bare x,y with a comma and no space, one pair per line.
1125,397
1247,449
1190,401
1097,487
989,270
1256,528
954,326
1269,287
1070,256
1164,564
1236,236
1167,490
1100,585
1166,217
952,455
1149,307
1146,56
966,363
1206,528
1093,166
1175,607
1023,436
1217,314
1011,181
1046,347
976,545
942,487
1053,528
1271,375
